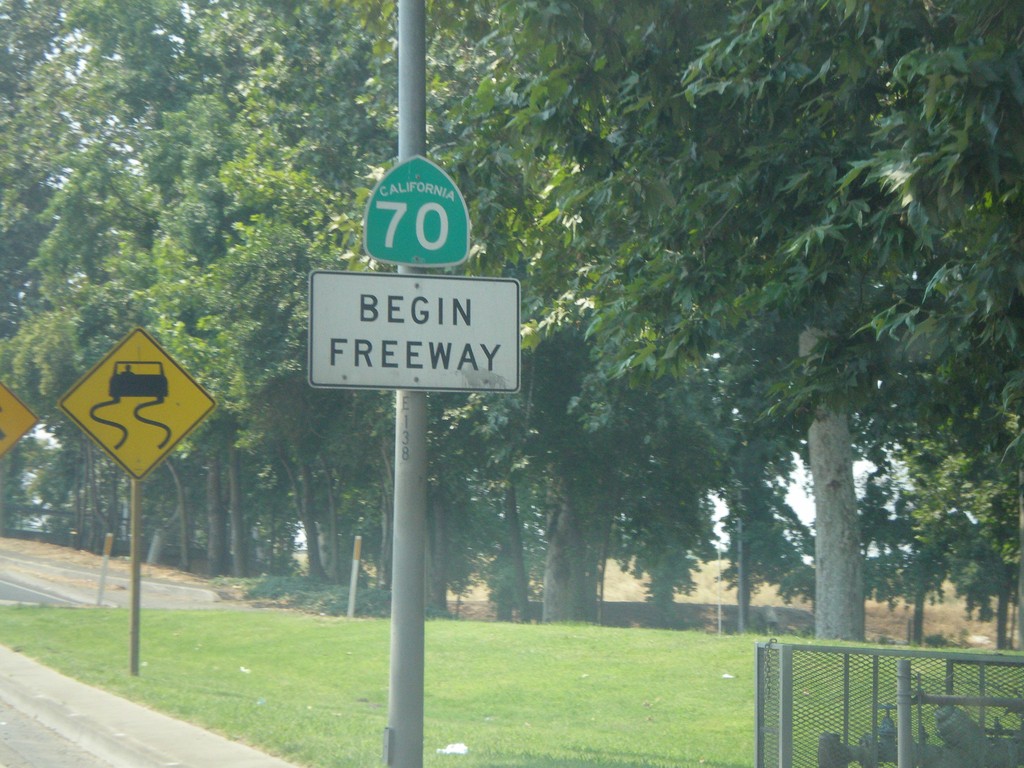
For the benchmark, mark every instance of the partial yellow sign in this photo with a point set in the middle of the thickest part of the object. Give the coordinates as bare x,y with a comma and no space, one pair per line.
15,419
137,403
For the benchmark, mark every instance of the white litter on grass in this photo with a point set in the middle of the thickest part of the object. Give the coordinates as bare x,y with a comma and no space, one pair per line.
454,749
244,670
727,676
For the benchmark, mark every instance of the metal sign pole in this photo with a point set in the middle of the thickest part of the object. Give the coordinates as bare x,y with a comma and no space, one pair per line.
405,700
136,585
137,367
403,742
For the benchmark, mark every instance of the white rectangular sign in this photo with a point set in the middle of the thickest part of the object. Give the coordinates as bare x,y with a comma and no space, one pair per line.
375,330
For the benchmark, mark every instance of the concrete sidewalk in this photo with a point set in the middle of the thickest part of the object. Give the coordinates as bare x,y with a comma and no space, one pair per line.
124,734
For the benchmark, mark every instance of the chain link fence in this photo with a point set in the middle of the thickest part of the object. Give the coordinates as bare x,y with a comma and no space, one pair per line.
829,707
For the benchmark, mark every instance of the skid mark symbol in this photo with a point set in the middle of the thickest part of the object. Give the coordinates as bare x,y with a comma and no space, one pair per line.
127,383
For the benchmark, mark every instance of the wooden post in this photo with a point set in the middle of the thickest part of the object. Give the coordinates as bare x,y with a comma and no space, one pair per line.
108,544
354,577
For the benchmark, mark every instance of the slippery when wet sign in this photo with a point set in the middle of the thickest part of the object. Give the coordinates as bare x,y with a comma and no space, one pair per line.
137,403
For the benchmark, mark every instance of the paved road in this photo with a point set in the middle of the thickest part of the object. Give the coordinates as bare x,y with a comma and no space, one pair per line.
11,592
47,580
25,743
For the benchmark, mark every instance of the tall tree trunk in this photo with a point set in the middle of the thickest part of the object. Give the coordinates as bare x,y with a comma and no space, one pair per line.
565,571
1020,562
184,545
510,588
308,516
217,534
742,579
437,582
516,555
839,587
108,522
85,517
606,521
384,556
738,504
239,530
335,571
81,519
387,512
917,622
1003,618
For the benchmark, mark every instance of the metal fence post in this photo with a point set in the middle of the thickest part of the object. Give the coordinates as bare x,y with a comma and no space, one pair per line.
785,706
904,709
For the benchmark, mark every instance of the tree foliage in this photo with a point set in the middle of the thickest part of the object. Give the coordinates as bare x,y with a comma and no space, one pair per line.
682,188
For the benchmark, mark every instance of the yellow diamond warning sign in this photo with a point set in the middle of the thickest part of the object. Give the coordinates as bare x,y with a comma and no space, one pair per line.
15,419
137,403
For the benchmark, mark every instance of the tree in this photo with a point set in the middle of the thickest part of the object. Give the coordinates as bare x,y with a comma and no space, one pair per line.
181,195
952,159
684,189
26,165
627,475
738,216
950,156
969,505
768,542
800,173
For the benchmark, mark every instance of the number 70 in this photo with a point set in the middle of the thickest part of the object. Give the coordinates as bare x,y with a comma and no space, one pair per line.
399,211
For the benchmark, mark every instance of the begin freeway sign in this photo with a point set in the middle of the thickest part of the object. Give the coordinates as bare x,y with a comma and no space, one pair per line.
385,331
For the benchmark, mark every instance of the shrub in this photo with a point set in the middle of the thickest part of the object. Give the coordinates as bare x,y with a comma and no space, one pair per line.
302,593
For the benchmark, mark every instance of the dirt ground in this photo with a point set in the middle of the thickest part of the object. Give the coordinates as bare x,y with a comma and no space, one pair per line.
945,623
83,569
119,565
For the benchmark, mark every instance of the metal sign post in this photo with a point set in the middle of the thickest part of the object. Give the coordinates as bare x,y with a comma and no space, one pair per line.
403,741
136,577
405,690
137,404
412,333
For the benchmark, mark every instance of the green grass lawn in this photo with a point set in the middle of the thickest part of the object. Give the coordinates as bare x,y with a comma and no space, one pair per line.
314,690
